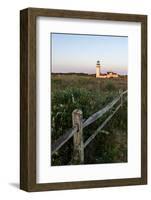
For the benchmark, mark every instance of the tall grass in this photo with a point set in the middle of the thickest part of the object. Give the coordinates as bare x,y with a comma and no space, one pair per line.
88,94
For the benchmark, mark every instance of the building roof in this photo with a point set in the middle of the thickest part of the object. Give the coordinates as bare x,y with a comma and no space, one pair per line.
103,74
111,73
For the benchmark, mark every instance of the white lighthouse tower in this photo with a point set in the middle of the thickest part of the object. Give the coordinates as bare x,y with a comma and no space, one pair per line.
98,68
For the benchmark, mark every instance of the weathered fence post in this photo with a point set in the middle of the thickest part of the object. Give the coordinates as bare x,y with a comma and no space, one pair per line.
78,151
121,96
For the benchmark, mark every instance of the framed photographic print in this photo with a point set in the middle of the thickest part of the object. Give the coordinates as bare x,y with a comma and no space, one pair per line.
83,93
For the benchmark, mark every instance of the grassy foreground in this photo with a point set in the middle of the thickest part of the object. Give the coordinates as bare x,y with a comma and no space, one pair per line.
89,94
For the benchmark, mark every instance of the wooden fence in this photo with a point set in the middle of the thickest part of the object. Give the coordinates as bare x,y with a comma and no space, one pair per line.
79,124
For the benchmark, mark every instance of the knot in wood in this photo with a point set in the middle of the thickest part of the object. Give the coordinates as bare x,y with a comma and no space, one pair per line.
77,126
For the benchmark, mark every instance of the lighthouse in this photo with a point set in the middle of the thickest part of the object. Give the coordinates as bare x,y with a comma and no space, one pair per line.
98,69
106,75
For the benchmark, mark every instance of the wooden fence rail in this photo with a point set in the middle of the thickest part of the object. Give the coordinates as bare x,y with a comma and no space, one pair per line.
79,124
101,127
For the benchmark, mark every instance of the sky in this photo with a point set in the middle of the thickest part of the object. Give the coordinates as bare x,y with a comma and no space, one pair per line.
79,53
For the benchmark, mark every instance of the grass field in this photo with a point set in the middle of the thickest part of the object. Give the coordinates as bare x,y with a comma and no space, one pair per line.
85,92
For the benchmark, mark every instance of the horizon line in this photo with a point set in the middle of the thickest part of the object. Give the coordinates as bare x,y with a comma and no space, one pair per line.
83,73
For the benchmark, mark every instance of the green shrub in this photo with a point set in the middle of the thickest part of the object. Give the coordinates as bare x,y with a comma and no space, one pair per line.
110,86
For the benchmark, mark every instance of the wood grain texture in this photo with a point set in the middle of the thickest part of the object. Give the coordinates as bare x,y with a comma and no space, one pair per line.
27,101
144,99
86,15
78,149
28,98
24,101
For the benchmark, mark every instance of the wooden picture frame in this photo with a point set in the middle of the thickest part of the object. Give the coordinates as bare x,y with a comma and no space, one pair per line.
28,98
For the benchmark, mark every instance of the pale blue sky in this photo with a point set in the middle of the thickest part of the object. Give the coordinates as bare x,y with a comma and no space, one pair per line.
79,53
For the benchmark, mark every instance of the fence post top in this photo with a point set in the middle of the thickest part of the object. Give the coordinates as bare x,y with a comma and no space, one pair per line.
77,111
